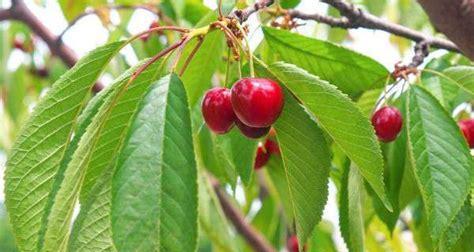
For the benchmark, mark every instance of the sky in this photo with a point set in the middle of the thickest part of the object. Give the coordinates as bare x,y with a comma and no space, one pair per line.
89,33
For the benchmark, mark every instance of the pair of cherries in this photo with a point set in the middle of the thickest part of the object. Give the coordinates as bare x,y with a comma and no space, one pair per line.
253,104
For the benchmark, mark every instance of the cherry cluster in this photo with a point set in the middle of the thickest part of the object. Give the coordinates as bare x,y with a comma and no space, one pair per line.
253,104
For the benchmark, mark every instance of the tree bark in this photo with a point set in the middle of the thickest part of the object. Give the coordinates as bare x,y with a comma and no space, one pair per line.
454,18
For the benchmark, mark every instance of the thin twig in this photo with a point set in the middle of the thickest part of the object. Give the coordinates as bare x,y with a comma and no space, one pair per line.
357,18
252,236
243,15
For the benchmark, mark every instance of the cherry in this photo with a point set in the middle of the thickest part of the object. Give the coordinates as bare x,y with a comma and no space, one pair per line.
272,147
217,110
251,132
257,102
292,244
19,44
387,122
153,24
262,157
467,128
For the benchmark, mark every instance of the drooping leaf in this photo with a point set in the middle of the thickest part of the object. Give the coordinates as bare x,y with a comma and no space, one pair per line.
351,217
154,189
341,119
440,158
351,72
306,161
114,114
41,145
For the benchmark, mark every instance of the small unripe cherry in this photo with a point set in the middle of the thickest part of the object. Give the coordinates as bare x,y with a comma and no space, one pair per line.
467,128
251,132
387,123
272,147
217,110
262,157
257,102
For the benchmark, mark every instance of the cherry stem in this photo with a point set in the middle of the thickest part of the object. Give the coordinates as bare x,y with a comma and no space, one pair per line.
160,28
385,97
249,52
155,58
227,70
180,52
191,55
219,9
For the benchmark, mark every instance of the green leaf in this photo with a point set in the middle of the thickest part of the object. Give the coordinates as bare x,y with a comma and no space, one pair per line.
368,100
154,189
198,74
341,119
351,217
114,114
211,218
306,160
41,145
239,151
349,71
463,76
92,229
440,157
279,184
457,227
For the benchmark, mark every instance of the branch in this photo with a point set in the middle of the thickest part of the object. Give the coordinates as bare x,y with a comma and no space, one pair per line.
20,12
5,14
354,17
252,236
244,14
454,18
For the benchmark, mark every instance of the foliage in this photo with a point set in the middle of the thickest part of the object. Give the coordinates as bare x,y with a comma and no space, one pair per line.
139,165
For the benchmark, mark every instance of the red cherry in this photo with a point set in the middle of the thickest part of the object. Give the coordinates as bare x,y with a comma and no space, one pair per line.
257,102
251,132
387,122
467,128
217,110
272,147
262,157
19,44
145,37
292,244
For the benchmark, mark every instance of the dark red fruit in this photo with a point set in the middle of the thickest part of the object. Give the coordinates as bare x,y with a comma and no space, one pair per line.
292,244
262,157
19,44
272,147
217,110
257,102
251,132
387,122
42,72
467,128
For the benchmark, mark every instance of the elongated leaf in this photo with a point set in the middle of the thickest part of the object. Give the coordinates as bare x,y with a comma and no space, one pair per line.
440,157
462,76
92,229
349,71
341,119
457,227
41,145
118,108
239,151
306,160
154,191
351,217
